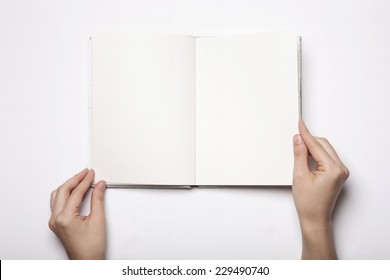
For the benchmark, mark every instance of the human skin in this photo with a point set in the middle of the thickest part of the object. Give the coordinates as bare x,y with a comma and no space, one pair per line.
83,237
316,191
315,194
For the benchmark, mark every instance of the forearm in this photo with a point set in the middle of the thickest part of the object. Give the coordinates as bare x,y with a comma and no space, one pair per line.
317,242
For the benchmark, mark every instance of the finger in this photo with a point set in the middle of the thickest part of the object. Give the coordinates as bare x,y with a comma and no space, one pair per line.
63,192
301,165
329,149
97,200
52,198
315,148
75,198
332,152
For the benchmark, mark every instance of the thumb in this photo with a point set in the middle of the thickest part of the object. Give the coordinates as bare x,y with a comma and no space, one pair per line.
301,166
97,200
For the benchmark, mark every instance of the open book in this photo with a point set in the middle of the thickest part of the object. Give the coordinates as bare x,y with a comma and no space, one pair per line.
184,111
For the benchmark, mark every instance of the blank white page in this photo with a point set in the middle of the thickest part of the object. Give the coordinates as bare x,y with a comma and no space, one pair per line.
143,108
246,109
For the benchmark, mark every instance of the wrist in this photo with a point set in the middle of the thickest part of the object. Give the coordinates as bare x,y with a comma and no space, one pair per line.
315,226
317,240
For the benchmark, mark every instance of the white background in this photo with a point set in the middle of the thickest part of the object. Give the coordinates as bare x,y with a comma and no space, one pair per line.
44,128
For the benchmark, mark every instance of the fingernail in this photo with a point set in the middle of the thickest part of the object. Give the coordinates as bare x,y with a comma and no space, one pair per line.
101,185
298,139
